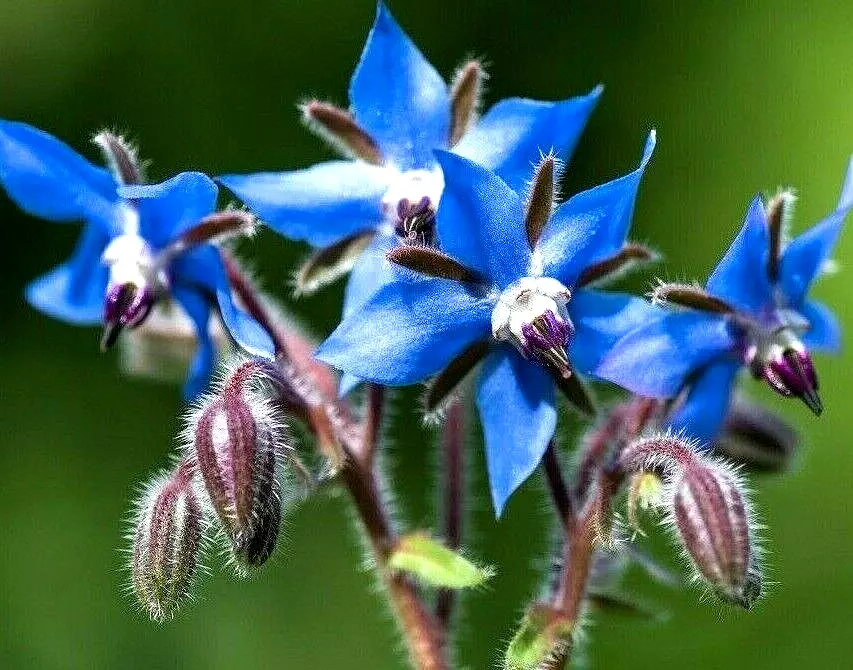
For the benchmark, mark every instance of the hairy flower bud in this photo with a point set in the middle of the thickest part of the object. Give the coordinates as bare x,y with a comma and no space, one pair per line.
166,543
238,444
708,510
711,515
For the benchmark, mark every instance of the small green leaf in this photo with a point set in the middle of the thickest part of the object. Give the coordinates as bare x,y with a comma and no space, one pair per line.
436,565
543,633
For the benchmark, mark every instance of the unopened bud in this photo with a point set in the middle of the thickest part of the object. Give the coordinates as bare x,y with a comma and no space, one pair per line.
757,438
237,445
166,544
711,516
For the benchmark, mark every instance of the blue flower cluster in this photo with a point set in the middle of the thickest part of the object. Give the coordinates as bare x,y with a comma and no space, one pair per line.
458,255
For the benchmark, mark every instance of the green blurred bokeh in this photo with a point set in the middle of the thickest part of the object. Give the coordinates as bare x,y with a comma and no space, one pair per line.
745,97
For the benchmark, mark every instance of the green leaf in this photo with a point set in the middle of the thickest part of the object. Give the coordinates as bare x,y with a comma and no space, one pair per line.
543,632
430,561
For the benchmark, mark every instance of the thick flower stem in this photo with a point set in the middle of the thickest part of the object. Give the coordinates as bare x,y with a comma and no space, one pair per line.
453,492
424,636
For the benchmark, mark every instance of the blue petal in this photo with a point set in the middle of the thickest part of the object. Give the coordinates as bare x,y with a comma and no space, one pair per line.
824,333
480,221
48,179
408,331
202,270
516,402
741,276
197,305
321,204
512,136
371,272
601,319
398,97
846,199
74,291
591,225
656,359
347,384
804,257
702,414
172,207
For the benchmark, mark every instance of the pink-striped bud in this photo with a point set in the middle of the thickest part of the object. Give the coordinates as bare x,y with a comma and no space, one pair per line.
711,515
708,510
166,543
238,445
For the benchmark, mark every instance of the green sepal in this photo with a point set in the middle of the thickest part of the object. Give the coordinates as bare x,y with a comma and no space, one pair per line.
432,563
543,633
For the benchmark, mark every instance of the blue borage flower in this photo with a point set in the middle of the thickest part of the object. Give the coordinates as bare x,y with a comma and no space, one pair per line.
355,211
140,244
515,280
753,313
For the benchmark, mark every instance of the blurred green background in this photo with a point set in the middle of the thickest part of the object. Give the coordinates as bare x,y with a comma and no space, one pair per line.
745,96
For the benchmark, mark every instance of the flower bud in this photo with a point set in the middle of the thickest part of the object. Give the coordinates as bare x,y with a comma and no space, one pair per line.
757,438
237,445
711,516
166,543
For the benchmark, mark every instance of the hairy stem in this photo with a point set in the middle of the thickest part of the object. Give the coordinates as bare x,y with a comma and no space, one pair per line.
453,491
422,631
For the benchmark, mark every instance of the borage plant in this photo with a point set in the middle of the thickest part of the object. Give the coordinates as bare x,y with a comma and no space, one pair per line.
462,257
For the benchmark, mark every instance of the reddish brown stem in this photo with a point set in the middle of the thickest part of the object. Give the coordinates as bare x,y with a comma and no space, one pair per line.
453,452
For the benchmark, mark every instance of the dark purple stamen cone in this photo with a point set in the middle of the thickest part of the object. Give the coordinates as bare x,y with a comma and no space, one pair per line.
237,449
793,373
166,544
125,306
711,517
546,337
416,221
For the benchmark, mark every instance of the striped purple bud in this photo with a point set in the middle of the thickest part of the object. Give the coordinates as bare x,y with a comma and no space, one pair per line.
238,445
166,543
712,518
707,509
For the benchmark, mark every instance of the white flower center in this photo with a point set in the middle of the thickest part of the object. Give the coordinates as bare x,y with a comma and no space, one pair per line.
131,261
412,185
531,315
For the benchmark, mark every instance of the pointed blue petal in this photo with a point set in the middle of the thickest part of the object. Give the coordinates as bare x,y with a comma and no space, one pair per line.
202,270
74,291
408,331
515,398
512,136
846,199
656,359
480,221
590,225
319,205
348,384
702,414
824,333
197,306
48,179
371,272
398,97
170,208
601,319
804,257
741,277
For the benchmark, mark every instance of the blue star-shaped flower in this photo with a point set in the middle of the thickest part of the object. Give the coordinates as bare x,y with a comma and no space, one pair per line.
140,244
402,110
509,278
754,312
